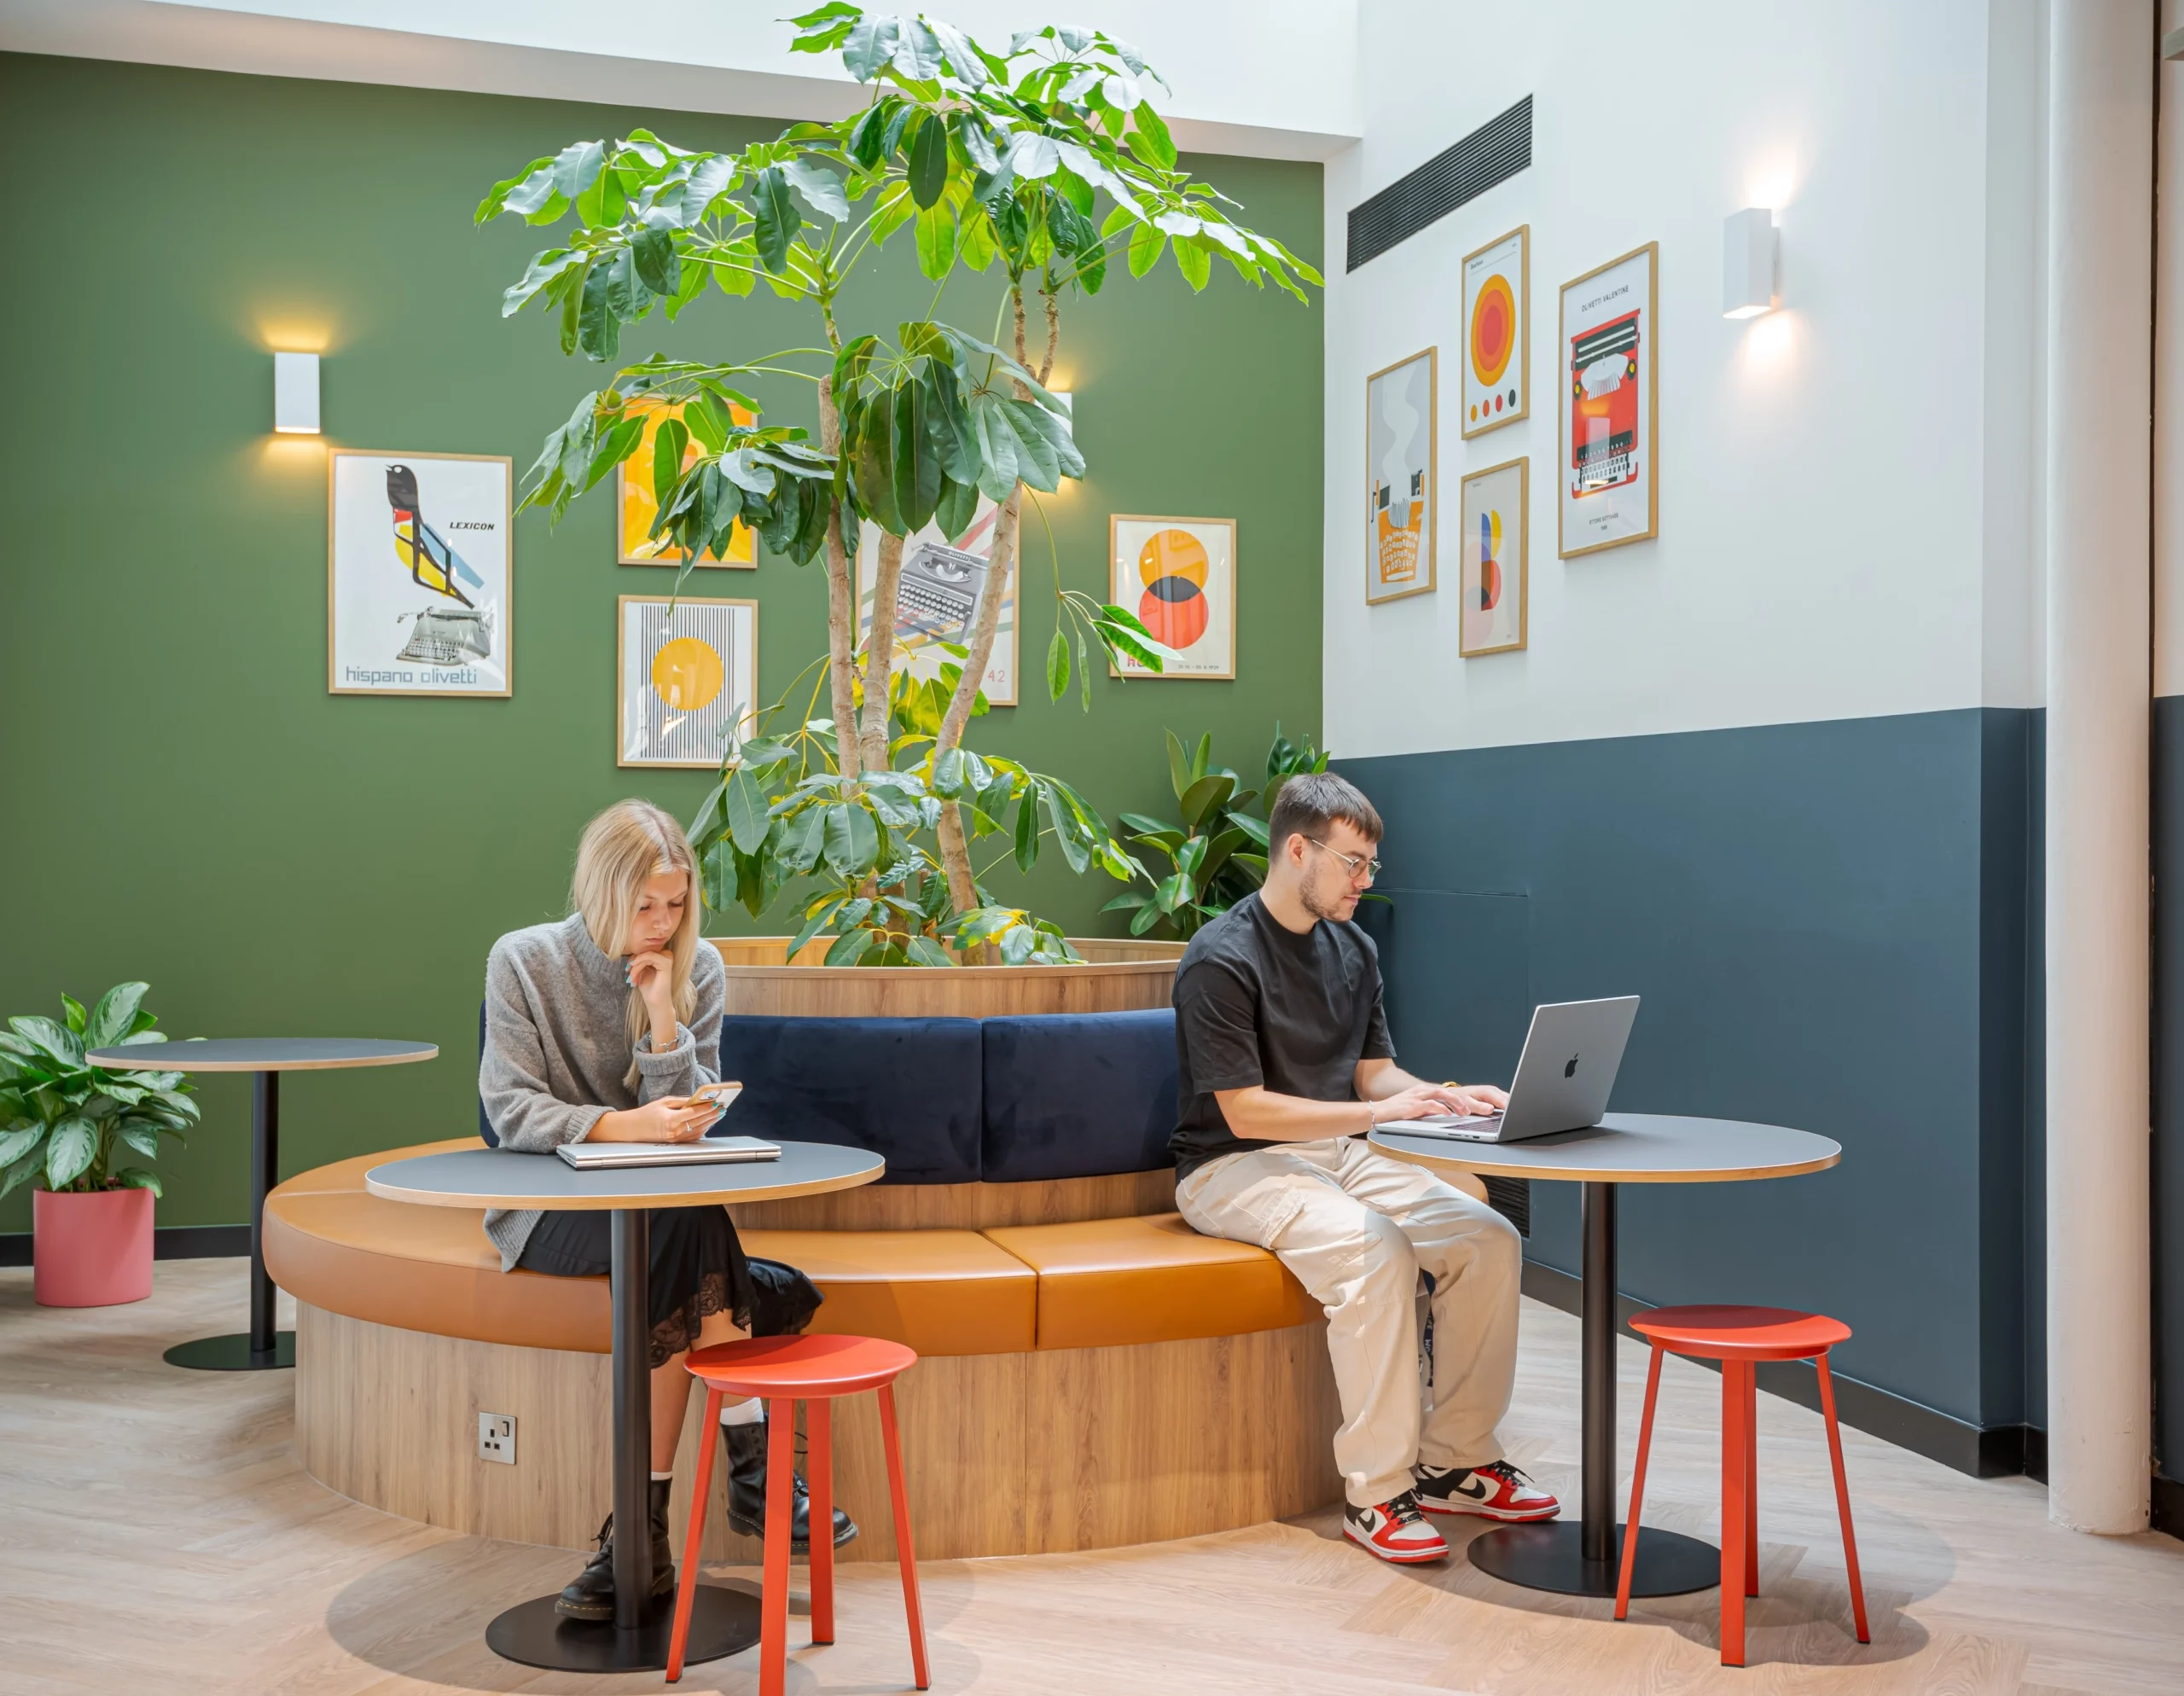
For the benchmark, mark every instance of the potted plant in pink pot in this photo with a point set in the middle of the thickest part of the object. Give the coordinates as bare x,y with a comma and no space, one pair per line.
66,1124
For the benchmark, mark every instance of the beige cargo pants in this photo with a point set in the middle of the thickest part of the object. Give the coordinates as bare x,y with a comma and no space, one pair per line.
1357,1228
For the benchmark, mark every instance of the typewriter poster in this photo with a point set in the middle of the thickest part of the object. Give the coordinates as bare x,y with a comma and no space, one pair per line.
1179,575
938,597
417,574
1609,348
1400,499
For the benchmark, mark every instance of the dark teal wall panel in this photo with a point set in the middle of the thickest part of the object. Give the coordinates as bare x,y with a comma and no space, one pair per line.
1825,936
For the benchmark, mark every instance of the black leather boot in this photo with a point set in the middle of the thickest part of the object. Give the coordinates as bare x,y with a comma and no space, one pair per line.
746,1491
590,1594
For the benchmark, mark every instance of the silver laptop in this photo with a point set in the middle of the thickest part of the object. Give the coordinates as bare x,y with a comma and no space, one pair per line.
1564,1078
587,1157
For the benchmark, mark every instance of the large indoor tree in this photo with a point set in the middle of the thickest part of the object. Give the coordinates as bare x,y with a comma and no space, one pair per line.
1043,162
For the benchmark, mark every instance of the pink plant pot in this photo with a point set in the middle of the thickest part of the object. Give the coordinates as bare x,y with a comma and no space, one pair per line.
92,1248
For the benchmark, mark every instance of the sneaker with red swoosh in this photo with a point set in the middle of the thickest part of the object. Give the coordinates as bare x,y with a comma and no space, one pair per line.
1395,1530
1497,1490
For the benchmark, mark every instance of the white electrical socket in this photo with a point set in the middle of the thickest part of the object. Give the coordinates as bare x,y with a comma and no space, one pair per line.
496,1437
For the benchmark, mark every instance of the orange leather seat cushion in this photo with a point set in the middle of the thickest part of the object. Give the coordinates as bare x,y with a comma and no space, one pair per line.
941,1292
1106,1282
330,1243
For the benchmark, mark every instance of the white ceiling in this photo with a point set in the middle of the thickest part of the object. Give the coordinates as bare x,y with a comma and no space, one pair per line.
1269,78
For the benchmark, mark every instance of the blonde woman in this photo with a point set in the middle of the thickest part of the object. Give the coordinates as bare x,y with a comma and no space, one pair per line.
598,1029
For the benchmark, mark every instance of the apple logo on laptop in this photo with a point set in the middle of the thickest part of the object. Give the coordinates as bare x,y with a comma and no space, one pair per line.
1570,1069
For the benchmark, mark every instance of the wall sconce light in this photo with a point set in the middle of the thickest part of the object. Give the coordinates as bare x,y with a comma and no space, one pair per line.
1749,251
295,394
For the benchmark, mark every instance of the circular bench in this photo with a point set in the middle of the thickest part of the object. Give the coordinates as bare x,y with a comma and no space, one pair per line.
1092,1373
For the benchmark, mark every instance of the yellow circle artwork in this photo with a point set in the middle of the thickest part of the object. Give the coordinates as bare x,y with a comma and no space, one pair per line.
686,673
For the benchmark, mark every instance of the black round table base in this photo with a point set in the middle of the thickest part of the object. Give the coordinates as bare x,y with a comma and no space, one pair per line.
721,1622
233,1354
1550,1557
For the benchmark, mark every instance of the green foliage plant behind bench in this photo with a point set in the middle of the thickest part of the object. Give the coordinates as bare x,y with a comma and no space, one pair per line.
1217,855
65,1120
987,159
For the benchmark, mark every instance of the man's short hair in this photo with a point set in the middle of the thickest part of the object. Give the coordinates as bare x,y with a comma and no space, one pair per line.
1309,802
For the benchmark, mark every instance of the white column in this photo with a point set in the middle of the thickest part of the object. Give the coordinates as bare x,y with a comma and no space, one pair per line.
2100,351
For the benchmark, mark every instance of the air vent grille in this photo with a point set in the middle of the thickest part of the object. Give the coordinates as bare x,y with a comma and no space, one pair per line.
1512,1198
1492,153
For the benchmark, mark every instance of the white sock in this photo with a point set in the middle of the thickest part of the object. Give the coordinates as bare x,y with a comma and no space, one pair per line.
750,1412
661,1478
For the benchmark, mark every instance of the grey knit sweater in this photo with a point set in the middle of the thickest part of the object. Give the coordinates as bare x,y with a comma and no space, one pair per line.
555,1052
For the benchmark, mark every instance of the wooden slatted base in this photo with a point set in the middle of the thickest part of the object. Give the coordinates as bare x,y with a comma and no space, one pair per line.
1046,1452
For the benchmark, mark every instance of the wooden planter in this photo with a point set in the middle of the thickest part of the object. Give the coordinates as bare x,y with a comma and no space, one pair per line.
1116,976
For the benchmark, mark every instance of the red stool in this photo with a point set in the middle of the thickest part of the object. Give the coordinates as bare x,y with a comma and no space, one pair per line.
786,1370
1738,1337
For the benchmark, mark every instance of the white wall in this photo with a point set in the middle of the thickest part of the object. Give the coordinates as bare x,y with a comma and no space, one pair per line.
1845,526
1285,87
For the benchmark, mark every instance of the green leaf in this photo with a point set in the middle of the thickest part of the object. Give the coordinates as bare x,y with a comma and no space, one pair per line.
18,1140
73,1010
577,168
1145,244
1027,830
135,1177
1150,138
1147,916
925,952
69,1153
1179,766
1058,666
669,443
853,839
144,1139
820,189
745,804
777,220
1202,755
958,506
936,239
1195,261
56,1042
927,173
849,947
871,44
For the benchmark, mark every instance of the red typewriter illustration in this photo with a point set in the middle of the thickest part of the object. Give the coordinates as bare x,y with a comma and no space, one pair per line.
1603,407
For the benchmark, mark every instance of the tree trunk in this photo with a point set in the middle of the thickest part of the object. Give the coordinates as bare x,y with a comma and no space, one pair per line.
954,848
841,602
880,651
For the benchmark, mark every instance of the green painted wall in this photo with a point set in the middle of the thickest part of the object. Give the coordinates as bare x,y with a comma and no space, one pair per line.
187,805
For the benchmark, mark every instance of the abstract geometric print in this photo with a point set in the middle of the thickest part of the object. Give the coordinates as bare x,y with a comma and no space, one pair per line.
687,679
1179,575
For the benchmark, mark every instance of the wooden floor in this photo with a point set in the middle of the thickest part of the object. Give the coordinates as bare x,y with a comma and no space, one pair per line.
157,1536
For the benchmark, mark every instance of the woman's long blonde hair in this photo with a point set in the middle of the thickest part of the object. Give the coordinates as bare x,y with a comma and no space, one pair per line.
630,841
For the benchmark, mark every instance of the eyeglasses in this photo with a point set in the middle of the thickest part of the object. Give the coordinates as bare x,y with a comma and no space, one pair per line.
1357,864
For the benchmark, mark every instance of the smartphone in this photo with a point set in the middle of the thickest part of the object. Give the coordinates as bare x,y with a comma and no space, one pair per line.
722,1095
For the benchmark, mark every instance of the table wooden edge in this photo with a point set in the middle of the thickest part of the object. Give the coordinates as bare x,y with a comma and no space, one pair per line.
1505,1168
168,1061
585,1203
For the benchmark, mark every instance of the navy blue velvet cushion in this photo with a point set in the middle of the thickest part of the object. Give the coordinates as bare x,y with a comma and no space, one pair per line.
484,1125
905,1089
1078,1095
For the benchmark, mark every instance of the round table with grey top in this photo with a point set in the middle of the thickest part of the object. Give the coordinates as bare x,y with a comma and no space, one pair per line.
1581,1559
724,1621
265,1058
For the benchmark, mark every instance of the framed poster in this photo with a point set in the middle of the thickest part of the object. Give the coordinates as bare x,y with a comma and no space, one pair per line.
941,585
634,509
1179,575
1401,404
1610,355
686,679
1498,332
418,578
1496,577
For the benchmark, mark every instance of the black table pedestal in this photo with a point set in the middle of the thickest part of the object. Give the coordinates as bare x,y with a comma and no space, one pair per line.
722,1622
261,1347
1582,1559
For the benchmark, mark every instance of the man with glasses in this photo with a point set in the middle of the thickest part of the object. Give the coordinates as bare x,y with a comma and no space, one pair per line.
1285,1064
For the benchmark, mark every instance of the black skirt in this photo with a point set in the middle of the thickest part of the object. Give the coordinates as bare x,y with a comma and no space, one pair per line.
698,1268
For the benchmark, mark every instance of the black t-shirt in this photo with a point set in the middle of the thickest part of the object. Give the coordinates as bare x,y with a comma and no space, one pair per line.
1256,1003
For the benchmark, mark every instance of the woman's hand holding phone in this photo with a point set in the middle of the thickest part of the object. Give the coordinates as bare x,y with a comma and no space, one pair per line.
671,1119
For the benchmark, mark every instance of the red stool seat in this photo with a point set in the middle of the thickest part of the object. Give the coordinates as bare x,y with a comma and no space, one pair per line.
786,1370
1747,1334
1739,1338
